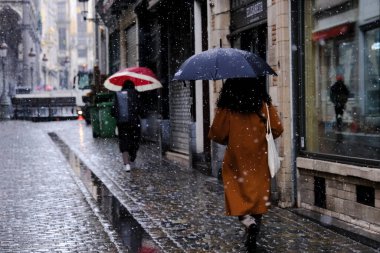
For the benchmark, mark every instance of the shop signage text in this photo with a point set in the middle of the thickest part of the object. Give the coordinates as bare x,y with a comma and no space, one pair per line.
248,14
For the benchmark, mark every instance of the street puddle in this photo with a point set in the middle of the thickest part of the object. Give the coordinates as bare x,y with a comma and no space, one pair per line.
129,230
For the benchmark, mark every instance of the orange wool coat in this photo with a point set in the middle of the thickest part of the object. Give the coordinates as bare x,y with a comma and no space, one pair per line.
245,171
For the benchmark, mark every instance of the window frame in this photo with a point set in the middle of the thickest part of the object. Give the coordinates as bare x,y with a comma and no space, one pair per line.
299,90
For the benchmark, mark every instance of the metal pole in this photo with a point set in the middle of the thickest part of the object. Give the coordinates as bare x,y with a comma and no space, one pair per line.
31,76
96,39
4,99
45,78
3,68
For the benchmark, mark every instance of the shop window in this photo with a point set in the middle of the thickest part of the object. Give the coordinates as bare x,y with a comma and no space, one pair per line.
62,39
343,120
320,192
365,195
372,75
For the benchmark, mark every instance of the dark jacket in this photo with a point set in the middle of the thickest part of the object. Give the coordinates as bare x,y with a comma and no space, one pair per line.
127,107
339,94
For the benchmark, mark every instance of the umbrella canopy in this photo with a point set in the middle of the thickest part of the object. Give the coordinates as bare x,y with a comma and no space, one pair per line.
143,78
223,63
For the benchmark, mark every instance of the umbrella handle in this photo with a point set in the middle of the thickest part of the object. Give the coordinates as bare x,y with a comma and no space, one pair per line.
184,83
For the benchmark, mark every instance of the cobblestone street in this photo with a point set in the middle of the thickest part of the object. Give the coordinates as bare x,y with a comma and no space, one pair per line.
42,207
46,208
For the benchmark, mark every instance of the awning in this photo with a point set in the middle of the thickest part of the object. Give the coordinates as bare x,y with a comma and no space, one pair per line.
333,32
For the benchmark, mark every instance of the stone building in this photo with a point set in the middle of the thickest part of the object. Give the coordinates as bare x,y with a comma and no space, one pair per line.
308,44
261,27
50,45
20,29
338,167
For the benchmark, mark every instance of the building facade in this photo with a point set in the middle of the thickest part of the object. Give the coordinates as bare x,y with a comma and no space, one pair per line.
50,46
68,45
64,45
261,27
339,158
20,29
310,44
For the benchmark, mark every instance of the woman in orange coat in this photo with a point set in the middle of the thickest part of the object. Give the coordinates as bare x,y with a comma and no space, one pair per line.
240,123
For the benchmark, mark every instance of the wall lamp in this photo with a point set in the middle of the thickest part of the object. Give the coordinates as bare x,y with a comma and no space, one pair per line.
85,12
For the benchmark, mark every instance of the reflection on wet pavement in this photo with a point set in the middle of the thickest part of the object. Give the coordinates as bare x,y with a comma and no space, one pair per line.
183,210
42,209
133,236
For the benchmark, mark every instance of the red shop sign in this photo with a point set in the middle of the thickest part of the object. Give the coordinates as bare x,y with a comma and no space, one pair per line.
332,32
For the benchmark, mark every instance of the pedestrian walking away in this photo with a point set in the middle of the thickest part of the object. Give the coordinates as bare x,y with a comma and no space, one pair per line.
126,110
240,123
339,95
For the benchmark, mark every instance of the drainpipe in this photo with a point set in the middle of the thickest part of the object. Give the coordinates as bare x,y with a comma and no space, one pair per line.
296,35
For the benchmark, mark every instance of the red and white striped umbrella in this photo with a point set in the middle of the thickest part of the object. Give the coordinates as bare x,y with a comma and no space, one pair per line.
143,78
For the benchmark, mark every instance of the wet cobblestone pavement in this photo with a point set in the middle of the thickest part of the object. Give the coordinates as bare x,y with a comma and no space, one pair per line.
42,208
181,209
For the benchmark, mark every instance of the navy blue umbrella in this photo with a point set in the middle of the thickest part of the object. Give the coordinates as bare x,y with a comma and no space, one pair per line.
223,63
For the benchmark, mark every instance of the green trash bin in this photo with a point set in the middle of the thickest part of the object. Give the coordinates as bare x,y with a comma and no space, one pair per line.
107,123
94,112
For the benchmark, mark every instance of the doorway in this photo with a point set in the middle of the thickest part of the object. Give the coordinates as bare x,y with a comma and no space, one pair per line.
252,40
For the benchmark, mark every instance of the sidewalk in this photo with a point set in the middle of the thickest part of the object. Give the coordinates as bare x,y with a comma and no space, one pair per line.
43,207
181,209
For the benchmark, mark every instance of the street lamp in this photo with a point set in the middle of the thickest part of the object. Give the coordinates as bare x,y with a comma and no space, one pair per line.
44,65
85,12
31,55
5,103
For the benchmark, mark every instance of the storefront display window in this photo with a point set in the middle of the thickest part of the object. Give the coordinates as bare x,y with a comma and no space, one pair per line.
372,75
342,84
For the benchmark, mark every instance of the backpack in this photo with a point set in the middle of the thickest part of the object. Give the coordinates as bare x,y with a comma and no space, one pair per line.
122,107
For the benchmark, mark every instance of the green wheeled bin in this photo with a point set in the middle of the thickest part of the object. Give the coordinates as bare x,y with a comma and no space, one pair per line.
107,123
94,115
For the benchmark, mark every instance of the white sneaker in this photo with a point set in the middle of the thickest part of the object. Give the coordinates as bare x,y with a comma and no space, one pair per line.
127,168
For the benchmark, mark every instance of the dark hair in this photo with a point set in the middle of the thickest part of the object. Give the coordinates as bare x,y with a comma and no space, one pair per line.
128,85
244,95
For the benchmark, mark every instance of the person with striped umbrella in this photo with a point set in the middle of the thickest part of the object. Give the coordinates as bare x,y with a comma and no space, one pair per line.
127,108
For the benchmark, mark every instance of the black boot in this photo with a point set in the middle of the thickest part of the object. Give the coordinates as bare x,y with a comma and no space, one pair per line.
252,234
250,242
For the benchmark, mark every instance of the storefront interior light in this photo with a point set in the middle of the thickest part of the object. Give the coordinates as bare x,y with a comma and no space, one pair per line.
375,46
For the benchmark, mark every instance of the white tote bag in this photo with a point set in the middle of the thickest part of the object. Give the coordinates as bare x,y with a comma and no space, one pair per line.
273,158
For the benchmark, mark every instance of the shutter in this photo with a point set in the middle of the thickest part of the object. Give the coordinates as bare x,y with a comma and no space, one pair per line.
180,105
131,34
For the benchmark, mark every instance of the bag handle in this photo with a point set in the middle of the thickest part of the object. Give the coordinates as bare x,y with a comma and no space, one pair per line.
268,120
